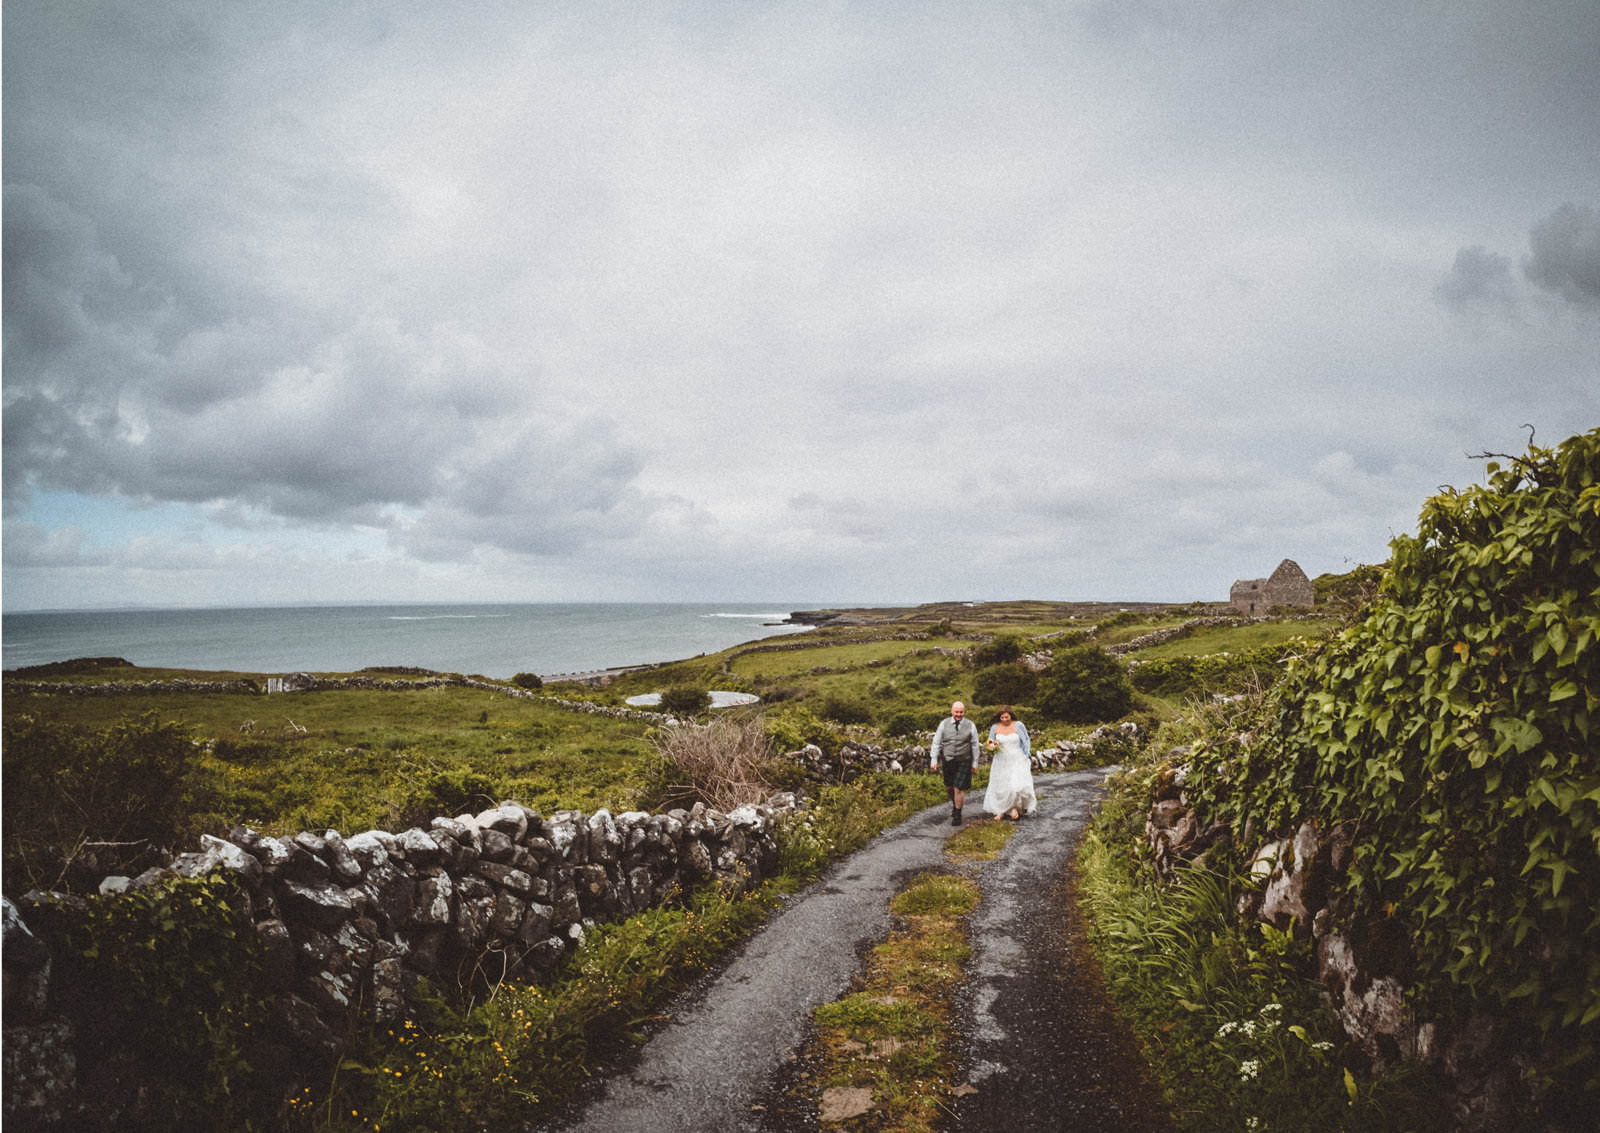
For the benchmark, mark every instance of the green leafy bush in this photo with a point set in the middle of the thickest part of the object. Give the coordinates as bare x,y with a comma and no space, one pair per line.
1348,592
1207,673
1454,730
1085,685
452,791
843,709
908,722
1004,648
531,681
685,700
1004,684
793,726
86,803
168,978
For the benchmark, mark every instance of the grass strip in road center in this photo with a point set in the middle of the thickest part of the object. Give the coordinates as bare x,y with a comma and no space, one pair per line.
882,1051
979,841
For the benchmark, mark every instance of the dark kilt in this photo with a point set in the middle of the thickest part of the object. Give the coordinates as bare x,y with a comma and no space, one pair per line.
958,774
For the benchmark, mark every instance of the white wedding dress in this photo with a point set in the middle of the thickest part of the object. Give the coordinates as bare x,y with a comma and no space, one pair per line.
1010,779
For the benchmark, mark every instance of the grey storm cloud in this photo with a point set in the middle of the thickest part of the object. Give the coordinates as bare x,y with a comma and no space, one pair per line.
113,388
1478,278
1563,260
1566,254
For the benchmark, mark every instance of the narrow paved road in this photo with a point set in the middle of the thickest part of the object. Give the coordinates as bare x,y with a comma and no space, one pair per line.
1039,1047
1041,1044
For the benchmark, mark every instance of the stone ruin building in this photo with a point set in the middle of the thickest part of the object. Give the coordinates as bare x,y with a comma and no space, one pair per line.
1288,586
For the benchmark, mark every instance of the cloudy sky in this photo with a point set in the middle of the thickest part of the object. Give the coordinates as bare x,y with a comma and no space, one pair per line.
871,302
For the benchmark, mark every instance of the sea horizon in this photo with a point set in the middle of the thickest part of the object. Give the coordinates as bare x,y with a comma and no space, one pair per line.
357,602
490,638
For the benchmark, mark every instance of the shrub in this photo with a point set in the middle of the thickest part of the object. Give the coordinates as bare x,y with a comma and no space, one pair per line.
1004,684
80,804
793,726
455,790
1085,685
908,723
843,709
685,700
1350,592
723,764
1453,728
169,979
1006,647
530,681
1207,673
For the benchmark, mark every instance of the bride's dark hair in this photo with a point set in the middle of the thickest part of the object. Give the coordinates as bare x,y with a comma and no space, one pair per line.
1005,710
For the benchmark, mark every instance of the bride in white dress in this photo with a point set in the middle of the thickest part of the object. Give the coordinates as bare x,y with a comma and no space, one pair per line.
1010,792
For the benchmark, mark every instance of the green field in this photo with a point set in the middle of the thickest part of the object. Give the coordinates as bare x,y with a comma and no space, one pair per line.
352,759
355,759
1236,639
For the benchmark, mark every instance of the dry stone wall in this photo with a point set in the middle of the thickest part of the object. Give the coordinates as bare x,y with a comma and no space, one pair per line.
304,682
350,925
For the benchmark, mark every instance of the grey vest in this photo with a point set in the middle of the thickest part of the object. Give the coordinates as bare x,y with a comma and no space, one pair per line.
956,743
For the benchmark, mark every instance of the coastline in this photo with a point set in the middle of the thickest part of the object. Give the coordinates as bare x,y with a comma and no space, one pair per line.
498,640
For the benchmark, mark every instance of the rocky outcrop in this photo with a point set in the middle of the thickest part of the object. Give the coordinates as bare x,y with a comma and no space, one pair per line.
348,926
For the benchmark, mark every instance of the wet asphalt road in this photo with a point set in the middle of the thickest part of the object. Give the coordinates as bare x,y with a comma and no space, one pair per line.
1031,1040
1040,1043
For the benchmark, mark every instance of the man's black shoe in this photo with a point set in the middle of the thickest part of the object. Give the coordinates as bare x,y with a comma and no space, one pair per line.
955,817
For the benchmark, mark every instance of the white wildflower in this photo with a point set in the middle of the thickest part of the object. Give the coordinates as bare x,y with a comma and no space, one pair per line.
1227,1029
1271,1009
1248,1069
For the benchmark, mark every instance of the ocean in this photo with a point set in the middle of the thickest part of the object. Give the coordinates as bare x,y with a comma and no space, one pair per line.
492,640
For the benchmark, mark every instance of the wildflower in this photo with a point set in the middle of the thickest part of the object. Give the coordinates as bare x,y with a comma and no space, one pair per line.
1227,1029
1271,1009
1323,1045
1248,1069
1253,1123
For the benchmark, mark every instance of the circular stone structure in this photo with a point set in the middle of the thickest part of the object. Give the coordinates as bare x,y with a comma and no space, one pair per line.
719,699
